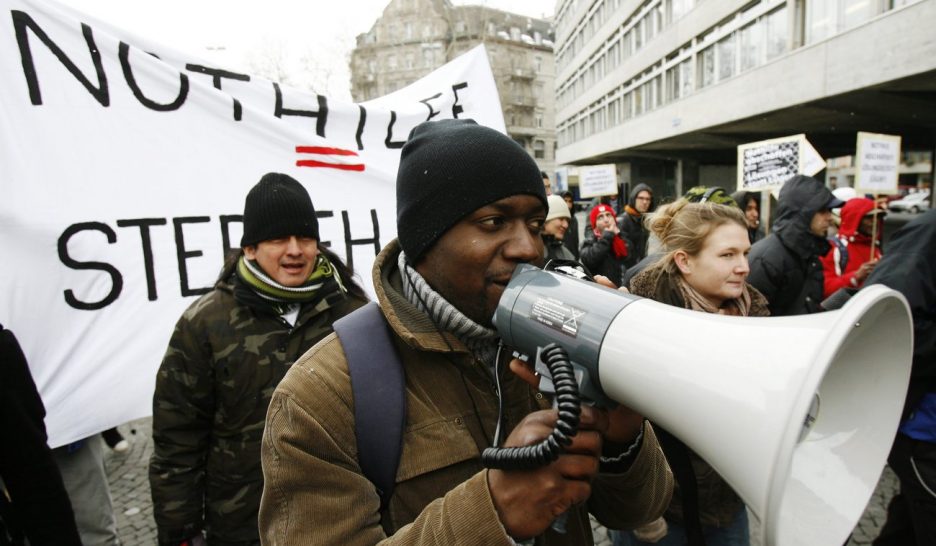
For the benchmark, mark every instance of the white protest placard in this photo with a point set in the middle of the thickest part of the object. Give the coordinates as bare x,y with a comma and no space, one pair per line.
597,180
767,164
877,163
123,169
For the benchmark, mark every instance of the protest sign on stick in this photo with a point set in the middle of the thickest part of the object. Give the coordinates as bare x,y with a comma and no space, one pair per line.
597,180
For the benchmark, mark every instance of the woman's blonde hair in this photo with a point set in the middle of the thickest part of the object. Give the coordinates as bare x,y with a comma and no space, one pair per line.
684,226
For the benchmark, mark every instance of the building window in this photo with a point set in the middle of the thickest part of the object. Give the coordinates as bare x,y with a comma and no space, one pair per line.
706,63
539,121
638,101
679,80
428,58
392,62
539,149
459,26
776,24
726,57
855,12
408,29
677,8
751,40
820,20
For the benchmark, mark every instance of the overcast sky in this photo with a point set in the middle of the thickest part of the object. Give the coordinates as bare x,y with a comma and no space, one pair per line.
321,29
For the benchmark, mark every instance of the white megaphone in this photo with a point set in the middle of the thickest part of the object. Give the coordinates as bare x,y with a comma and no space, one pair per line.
797,414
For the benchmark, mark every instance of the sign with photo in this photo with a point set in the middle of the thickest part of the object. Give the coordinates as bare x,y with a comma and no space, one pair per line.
767,164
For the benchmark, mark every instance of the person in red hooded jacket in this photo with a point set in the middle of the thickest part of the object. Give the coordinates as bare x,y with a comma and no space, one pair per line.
604,252
850,258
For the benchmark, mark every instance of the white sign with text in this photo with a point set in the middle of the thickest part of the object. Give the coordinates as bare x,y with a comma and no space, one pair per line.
877,163
597,180
123,168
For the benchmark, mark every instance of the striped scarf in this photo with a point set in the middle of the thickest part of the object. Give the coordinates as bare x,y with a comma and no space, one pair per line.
740,306
481,341
322,274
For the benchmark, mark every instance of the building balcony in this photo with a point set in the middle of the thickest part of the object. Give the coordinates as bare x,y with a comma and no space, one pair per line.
525,74
520,100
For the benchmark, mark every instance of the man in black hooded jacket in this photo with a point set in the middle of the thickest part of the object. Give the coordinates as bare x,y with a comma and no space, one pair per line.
785,265
630,222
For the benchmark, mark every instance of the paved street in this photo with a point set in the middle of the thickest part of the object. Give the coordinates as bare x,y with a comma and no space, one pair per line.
134,510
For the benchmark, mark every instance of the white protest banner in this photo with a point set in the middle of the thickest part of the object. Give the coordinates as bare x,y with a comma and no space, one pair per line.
597,180
767,164
877,160
123,168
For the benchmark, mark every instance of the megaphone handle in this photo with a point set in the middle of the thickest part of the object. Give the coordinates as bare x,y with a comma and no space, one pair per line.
548,450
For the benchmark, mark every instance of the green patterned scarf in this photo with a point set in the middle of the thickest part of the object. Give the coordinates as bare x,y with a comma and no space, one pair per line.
322,274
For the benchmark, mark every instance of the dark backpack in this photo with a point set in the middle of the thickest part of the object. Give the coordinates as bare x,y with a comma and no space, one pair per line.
379,390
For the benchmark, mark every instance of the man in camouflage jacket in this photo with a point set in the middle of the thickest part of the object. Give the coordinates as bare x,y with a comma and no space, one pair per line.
228,352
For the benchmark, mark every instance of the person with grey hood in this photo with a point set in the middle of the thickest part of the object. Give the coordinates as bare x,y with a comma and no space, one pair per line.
631,223
785,265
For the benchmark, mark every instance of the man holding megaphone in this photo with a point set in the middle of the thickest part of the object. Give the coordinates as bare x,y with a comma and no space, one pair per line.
470,208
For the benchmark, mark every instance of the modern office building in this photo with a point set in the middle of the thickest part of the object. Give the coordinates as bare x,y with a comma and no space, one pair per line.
667,89
414,37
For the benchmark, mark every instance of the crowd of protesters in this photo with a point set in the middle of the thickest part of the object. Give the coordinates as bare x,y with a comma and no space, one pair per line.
258,431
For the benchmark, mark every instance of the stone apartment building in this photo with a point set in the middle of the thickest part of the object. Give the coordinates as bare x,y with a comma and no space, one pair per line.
414,37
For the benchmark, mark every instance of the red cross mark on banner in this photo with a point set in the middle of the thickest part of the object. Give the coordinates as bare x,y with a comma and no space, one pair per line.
329,158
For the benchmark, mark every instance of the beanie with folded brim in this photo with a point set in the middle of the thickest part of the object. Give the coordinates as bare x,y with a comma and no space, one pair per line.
278,206
451,168
557,208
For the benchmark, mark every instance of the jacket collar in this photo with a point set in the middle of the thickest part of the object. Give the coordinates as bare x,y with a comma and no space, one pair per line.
413,326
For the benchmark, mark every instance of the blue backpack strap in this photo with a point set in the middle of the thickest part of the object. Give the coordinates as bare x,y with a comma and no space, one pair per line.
379,391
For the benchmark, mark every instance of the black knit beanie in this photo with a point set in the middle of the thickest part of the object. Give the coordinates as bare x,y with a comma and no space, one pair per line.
278,206
451,168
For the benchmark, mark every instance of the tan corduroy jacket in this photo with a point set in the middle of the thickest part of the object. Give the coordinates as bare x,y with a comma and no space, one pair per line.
314,491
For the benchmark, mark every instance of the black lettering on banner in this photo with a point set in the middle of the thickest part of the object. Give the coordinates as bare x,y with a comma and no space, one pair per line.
144,224
116,277
360,127
349,242
182,254
227,219
22,21
321,116
124,54
216,75
457,108
319,214
389,142
432,113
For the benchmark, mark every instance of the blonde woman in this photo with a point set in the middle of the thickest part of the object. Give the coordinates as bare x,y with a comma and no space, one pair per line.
704,268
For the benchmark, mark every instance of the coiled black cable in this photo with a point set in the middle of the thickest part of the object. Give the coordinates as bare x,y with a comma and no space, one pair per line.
567,402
